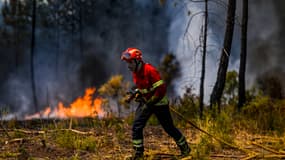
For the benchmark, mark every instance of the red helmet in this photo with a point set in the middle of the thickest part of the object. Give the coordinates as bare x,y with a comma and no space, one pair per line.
130,54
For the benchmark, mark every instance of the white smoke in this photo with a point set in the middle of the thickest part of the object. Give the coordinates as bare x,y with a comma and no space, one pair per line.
16,90
263,53
184,41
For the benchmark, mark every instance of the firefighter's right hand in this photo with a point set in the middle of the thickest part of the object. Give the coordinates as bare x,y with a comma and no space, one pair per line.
139,98
128,98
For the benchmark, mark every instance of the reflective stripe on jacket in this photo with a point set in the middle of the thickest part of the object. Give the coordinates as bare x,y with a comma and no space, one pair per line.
149,83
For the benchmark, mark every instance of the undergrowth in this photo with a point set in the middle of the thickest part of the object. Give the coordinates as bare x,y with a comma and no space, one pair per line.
71,140
261,115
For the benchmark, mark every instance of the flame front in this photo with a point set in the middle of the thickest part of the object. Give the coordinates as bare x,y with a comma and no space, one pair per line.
82,107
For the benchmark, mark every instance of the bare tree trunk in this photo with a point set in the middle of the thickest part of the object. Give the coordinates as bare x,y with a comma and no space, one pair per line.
223,66
81,36
17,49
201,104
80,30
33,56
243,55
119,110
57,35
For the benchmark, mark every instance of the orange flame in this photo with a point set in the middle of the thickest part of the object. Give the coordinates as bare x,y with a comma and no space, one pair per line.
82,107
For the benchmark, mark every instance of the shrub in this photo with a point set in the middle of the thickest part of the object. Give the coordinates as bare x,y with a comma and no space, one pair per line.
71,140
266,114
187,106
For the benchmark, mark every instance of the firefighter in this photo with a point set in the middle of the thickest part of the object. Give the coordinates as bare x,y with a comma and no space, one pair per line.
153,90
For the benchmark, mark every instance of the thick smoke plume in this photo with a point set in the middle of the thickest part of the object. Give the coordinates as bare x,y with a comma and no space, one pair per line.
266,43
67,60
265,39
71,56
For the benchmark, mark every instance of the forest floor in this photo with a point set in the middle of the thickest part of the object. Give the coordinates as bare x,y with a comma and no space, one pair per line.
111,140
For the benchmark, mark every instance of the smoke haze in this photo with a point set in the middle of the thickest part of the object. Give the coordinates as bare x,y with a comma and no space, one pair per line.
265,37
66,64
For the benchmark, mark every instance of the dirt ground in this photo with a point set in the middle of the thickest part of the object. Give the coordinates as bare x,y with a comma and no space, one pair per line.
113,142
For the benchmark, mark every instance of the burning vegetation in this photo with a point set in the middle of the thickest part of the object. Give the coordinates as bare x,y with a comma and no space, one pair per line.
76,130
85,106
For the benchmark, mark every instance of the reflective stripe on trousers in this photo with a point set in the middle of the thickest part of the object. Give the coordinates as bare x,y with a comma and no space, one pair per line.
137,143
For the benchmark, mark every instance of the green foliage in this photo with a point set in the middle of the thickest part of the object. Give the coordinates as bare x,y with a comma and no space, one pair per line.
169,69
18,134
74,157
223,126
4,111
8,155
220,126
114,88
203,148
266,114
71,140
231,88
187,106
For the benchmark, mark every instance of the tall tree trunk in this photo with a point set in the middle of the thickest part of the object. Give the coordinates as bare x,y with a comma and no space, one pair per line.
201,104
80,30
81,36
225,54
17,49
243,55
57,37
35,100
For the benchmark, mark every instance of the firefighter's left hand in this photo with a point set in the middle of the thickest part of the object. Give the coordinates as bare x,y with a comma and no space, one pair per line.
152,101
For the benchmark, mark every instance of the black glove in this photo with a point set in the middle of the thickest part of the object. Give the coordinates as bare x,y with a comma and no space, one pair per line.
152,101
139,98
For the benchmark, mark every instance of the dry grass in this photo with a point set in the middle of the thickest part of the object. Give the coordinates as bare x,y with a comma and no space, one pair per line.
111,139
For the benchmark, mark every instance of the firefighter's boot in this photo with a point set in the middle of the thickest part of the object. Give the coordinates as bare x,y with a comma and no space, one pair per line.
138,156
139,149
135,156
184,147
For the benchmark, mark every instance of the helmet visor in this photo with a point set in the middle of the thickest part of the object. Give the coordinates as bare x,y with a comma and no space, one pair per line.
126,56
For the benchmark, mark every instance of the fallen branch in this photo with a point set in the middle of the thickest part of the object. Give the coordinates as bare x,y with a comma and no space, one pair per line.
266,148
227,156
22,131
16,140
43,132
267,137
29,132
274,156
73,130
250,157
79,132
